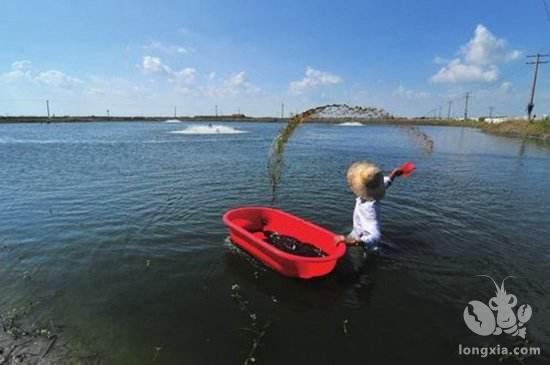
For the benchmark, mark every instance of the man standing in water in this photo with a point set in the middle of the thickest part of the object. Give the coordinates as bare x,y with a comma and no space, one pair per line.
369,185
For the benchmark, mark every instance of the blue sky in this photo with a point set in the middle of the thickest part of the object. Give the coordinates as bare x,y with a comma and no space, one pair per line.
144,57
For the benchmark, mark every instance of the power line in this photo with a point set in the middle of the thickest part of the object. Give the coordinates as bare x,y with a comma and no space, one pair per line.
431,113
449,110
536,62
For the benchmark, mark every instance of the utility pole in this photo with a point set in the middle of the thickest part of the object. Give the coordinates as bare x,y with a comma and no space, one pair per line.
491,111
216,110
108,114
536,62
449,109
282,110
439,115
175,111
466,106
48,108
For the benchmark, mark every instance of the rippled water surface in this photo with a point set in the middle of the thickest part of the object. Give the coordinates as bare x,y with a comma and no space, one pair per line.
115,231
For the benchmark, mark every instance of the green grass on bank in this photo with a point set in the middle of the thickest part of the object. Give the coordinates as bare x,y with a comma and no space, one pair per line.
520,128
539,129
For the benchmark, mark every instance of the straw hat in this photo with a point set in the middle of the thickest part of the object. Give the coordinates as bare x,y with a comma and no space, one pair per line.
366,180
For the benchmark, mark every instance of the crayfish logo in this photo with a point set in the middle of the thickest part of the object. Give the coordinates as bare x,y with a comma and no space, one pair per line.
481,320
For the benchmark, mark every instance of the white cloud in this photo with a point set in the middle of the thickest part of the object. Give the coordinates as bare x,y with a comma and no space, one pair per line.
154,65
237,80
440,60
187,75
410,94
236,84
478,61
167,48
56,79
506,86
164,85
456,71
485,49
312,79
22,71
184,80
95,91
23,66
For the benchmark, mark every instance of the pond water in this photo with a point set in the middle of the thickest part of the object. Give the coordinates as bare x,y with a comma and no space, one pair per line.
114,231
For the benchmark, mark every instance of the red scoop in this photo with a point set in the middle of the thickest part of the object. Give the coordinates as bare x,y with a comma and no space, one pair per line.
407,169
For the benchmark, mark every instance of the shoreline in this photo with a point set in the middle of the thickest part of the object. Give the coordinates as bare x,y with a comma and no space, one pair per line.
232,119
538,130
122,119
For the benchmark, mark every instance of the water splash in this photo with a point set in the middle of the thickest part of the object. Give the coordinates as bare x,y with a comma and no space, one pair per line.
350,124
342,112
209,129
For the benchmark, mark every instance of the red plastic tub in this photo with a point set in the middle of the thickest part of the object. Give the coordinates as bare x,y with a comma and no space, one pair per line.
246,226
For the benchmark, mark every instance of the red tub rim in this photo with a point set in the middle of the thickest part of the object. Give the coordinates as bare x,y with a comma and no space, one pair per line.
338,253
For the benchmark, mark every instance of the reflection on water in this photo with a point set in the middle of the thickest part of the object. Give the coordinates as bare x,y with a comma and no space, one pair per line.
114,231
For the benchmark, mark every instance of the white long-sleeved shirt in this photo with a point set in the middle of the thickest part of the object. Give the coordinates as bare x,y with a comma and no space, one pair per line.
366,219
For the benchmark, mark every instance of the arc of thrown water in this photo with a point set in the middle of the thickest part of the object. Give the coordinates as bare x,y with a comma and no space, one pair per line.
276,162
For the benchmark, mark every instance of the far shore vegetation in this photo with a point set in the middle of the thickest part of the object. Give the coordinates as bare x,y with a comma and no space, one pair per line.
520,128
537,129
